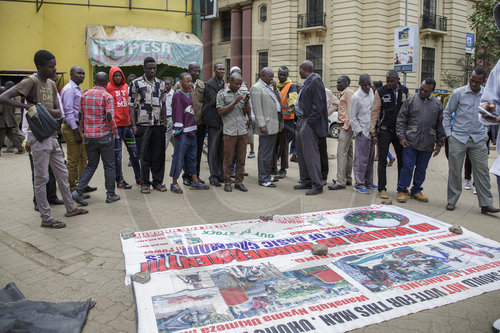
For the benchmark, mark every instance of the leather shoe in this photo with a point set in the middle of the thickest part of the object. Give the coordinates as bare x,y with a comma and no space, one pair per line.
215,183
336,186
489,209
89,189
186,181
228,188
348,182
112,198
302,187
241,187
57,201
314,191
452,207
274,180
86,196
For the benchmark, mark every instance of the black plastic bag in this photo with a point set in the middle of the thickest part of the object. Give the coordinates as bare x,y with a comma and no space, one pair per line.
42,124
21,315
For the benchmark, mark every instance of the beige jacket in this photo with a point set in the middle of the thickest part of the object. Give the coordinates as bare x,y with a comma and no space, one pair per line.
264,107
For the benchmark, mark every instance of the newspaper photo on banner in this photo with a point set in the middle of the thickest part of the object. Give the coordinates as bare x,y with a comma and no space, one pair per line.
258,276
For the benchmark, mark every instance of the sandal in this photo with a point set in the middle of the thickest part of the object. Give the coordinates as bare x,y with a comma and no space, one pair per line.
198,186
53,224
76,211
176,188
145,189
160,187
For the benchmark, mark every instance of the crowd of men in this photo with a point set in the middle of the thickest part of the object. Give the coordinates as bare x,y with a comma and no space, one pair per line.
290,119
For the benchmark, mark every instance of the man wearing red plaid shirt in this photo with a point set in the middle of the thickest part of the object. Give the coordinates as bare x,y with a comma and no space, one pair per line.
99,130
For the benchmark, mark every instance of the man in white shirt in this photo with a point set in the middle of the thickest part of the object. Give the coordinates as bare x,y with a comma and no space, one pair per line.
359,116
169,93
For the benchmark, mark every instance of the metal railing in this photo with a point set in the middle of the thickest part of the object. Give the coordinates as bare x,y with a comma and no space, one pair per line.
437,22
311,19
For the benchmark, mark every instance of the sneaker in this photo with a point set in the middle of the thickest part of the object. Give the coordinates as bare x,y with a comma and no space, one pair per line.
112,198
361,190
372,187
420,197
198,186
401,197
468,184
175,188
251,155
138,181
383,194
124,184
474,190
79,198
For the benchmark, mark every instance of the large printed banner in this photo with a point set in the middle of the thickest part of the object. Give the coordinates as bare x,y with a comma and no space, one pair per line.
260,276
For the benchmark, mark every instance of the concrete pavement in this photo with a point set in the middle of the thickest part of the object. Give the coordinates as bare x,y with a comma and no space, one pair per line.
85,259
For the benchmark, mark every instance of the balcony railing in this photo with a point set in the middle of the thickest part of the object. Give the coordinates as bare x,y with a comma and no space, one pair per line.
311,19
436,22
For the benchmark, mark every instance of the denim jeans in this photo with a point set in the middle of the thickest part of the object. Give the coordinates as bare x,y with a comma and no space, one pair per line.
184,155
413,160
126,135
102,147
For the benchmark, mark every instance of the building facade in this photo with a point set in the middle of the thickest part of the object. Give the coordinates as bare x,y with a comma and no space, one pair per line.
340,37
60,28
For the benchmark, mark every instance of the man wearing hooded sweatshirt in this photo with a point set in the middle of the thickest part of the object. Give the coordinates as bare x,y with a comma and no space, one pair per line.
118,88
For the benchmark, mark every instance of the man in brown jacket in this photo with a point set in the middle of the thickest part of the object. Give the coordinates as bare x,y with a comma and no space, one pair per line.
8,125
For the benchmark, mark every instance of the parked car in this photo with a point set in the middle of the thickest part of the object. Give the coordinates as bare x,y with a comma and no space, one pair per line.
333,126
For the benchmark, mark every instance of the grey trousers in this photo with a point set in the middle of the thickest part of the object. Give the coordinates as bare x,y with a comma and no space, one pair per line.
45,153
15,136
478,155
265,157
363,161
344,156
308,154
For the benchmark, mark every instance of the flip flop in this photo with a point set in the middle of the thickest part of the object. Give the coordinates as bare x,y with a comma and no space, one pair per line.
76,211
145,189
53,224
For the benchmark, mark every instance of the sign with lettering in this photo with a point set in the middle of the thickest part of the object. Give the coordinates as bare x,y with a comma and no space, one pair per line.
133,52
406,49
260,276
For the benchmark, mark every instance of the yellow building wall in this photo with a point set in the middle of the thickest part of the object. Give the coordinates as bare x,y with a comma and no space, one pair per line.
61,29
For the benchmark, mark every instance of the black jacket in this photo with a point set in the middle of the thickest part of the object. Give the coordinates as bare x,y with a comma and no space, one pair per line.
390,106
209,112
313,102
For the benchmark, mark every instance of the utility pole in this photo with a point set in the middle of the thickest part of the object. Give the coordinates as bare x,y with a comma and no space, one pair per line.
406,24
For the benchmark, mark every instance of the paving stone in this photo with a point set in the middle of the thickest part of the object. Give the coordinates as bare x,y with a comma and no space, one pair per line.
73,268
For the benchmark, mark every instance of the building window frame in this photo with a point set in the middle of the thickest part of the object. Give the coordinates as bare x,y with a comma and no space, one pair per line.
314,53
227,64
263,13
225,26
428,63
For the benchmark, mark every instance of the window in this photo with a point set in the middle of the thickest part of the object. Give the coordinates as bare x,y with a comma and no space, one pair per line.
315,13
314,53
262,60
225,23
263,13
428,56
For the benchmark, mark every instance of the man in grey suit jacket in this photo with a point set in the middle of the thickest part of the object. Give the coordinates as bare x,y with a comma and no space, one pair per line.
265,105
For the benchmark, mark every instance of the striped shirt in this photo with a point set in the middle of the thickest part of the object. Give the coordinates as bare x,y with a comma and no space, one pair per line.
95,104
